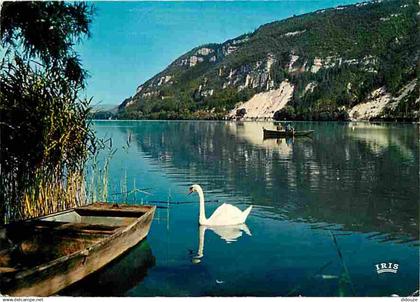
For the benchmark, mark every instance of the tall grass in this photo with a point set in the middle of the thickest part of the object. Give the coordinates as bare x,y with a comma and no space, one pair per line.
45,140
97,174
49,193
53,195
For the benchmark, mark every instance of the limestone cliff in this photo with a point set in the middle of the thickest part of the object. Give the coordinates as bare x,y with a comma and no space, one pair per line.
349,62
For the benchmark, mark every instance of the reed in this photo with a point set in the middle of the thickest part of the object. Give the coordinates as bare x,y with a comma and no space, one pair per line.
73,167
97,173
52,195
46,139
53,191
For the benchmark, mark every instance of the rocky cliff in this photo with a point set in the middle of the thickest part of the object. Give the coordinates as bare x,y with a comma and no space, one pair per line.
349,62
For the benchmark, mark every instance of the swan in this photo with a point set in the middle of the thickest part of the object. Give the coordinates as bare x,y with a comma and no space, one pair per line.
226,214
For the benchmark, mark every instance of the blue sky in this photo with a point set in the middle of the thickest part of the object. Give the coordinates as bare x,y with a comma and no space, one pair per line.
132,41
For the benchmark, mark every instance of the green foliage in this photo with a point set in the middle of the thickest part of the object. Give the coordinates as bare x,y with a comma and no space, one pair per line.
277,73
47,30
287,113
227,98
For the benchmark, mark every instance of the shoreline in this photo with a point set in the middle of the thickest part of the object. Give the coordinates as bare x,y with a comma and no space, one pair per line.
256,121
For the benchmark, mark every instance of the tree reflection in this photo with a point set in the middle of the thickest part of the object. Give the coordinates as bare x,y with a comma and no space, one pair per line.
338,177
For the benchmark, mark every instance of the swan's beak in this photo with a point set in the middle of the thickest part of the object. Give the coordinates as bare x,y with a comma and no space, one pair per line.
190,190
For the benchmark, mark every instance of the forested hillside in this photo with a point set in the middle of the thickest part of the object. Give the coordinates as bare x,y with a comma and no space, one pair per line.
349,62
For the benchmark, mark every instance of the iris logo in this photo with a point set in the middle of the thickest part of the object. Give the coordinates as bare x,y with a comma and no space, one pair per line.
386,267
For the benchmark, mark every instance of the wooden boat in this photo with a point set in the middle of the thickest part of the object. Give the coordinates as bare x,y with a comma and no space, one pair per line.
283,133
41,256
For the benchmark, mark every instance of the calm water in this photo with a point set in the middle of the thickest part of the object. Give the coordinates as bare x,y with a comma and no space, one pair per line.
351,190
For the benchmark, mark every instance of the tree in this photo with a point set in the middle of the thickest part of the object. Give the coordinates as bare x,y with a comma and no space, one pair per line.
48,31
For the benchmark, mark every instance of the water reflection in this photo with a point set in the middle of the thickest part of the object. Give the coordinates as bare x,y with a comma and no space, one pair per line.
335,181
228,233
339,178
380,139
253,133
117,278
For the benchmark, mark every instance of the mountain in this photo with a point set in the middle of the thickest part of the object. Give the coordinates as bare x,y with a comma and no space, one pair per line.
349,62
103,111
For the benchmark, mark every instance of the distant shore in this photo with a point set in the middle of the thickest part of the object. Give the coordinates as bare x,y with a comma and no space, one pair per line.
402,121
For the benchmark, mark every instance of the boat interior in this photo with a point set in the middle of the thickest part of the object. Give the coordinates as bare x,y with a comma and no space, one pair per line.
30,243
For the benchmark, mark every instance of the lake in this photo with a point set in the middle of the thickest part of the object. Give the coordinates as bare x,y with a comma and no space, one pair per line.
326,209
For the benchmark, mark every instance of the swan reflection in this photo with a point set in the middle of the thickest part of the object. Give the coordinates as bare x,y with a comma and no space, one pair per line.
229,233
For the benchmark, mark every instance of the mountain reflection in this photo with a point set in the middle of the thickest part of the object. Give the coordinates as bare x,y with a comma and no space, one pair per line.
251,132
361,177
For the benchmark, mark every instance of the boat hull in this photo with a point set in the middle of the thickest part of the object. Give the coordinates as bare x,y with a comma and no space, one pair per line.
53,276
282,133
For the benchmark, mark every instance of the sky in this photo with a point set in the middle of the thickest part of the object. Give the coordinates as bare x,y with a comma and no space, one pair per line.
133,41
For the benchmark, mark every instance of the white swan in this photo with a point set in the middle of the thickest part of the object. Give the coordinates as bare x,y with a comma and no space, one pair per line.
226,214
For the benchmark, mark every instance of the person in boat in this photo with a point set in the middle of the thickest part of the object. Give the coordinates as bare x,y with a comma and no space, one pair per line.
289,128
280,127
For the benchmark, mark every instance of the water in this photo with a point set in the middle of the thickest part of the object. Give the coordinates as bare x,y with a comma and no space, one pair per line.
351,190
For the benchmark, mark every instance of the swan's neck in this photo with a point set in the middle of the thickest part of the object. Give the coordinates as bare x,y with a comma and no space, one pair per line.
202,218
